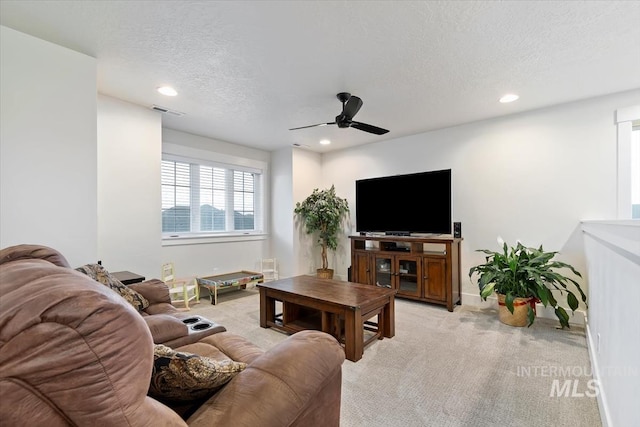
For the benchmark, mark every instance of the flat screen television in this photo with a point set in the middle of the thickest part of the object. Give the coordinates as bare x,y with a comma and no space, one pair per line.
411,203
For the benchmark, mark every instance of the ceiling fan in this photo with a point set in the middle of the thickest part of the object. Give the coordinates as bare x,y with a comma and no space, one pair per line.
350,106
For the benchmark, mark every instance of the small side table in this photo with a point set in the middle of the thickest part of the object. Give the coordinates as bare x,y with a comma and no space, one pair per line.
127,277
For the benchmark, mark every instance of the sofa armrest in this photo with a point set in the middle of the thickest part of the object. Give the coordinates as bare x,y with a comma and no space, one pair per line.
298,382
164,327
154,290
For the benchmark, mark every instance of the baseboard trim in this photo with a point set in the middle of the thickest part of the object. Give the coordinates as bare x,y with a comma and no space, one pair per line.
601,397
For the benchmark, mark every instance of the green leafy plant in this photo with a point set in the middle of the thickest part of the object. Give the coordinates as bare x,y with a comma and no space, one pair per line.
523,272
323,213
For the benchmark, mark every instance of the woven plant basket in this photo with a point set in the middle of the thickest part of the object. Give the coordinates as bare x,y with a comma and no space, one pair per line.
520,310
324,274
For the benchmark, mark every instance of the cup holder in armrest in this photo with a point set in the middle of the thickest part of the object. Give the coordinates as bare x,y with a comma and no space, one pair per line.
201,326
198,325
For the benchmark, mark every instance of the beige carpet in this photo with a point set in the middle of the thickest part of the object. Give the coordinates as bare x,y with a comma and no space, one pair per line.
449,369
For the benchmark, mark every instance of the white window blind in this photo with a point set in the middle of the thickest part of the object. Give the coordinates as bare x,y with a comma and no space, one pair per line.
204,198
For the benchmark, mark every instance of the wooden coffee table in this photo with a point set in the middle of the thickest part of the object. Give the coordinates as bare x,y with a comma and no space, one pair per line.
342,309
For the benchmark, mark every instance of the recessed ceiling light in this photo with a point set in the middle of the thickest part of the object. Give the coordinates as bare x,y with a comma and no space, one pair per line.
509,98
325,142
167,90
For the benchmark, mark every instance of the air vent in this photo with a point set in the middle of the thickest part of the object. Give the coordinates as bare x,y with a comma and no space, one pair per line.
167,110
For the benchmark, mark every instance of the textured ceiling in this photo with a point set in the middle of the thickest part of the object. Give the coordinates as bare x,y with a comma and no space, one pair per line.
246,72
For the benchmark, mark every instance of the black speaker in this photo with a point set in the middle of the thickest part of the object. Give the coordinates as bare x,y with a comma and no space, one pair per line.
457,230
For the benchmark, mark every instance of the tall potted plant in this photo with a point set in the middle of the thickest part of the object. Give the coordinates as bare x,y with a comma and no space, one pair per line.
323,213
522,276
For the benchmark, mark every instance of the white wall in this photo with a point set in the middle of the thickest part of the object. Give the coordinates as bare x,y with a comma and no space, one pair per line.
613,327
283,243
47,147
172,136
532,176
306,175
129,198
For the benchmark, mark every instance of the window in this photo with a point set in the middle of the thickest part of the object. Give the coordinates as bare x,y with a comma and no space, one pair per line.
628,169
635,171
204,198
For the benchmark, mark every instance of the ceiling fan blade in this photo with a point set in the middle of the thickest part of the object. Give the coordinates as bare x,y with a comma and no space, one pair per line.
312,126
352,107
368,128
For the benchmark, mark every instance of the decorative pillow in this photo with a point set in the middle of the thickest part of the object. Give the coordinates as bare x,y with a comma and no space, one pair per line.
181,376
99,274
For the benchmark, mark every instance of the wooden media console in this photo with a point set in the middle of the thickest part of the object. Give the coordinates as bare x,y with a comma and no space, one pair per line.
419,268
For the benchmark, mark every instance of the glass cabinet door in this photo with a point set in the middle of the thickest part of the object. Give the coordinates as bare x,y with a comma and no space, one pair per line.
383,274
408,273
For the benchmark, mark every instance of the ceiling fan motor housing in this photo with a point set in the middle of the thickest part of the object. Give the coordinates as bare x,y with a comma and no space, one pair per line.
343,96
342,121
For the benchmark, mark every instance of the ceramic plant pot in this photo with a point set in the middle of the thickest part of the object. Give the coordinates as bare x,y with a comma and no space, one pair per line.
520,311
322,273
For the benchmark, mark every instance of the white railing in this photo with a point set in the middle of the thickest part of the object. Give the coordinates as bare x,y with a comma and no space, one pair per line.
612,250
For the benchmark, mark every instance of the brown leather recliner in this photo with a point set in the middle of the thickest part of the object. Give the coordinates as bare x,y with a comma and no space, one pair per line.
166,322
73,352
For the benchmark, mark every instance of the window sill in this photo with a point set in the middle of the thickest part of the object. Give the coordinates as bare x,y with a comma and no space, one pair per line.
210,238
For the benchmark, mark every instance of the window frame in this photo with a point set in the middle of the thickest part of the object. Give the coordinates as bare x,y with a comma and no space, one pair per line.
175,152
625,118
635,167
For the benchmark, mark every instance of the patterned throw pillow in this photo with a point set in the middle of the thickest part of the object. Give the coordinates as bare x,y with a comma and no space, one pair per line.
99,274
181,376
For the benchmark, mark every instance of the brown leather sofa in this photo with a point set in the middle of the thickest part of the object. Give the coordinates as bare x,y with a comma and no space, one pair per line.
73,352
166,323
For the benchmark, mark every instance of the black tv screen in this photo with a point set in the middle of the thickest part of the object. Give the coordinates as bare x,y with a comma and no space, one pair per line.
412,203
